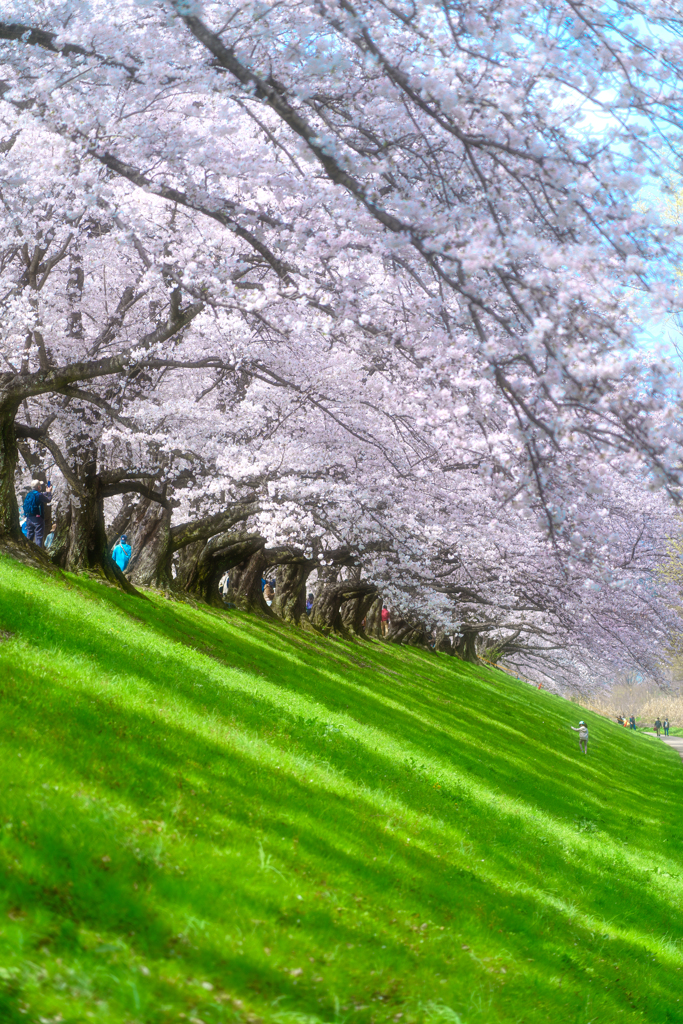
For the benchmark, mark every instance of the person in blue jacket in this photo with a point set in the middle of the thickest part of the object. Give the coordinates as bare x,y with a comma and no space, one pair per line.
121,552
35,503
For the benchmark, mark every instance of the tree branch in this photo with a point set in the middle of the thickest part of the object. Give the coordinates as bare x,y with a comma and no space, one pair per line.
203,529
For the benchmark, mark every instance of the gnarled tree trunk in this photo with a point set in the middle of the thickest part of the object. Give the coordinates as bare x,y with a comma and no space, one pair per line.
245,590
442,643
9,511
289,602
466,645
75,547
12,539
326,611
80,542
405,631
354,610
373,618
202,564
149,535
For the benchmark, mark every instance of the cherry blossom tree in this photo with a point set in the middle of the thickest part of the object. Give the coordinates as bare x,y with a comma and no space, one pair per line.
347,291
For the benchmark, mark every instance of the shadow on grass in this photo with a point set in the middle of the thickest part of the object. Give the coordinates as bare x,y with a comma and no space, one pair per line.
547,766
321,835
241,794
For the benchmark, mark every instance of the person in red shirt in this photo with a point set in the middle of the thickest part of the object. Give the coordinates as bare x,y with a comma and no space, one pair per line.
385,620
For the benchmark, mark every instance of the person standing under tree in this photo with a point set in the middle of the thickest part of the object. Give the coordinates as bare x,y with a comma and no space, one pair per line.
35,503
583,735
385,619
121,552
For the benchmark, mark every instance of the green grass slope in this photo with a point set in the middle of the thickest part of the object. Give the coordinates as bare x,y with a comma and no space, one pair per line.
205,817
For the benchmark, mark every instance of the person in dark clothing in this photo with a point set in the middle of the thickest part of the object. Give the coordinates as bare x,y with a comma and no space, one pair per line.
658,726
309,604
666,726
35,504
632,722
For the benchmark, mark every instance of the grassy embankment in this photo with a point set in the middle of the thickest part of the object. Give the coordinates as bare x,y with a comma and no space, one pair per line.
207,817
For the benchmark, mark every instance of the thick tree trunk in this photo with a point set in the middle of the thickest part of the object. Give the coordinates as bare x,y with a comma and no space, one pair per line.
442,643
289,602
12,539
418,637
373,619
208,547
354,611
202,564
245,590
9,511
77,548
466,646
60,543
188,558
326,610
80,543
398,630
149,535
403,631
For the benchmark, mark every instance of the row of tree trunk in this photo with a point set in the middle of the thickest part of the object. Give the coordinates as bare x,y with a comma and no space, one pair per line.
191,558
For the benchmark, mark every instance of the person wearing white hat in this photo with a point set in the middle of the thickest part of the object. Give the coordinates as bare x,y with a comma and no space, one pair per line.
583,735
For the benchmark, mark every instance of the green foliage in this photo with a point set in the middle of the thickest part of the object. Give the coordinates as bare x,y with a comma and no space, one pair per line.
210,815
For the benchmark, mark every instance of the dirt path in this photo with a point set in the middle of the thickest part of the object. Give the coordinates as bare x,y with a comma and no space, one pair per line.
674,741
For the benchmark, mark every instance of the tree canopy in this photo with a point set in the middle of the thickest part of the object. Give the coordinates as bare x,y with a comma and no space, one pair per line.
353,289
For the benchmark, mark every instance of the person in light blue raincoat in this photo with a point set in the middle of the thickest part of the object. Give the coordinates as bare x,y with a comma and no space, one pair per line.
121,552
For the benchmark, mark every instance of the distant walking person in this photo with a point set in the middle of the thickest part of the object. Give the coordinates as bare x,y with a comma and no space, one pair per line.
666,726
309,604
121,553
583,735
658,726
632,722
386,618
35,503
